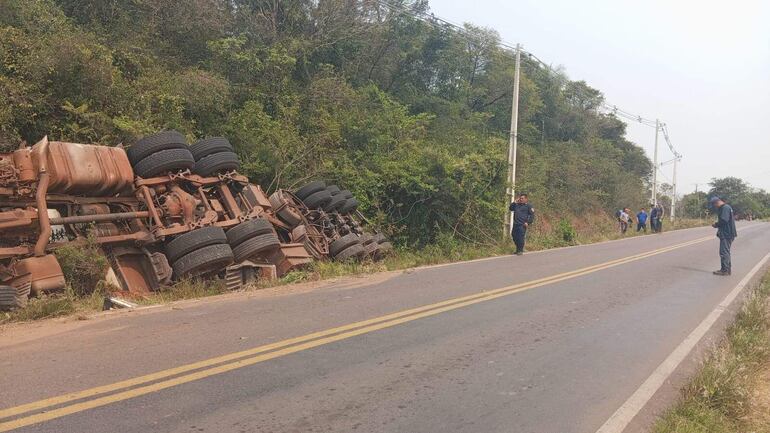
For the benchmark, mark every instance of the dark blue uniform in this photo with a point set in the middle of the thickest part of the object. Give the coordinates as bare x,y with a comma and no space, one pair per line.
522,214
726,232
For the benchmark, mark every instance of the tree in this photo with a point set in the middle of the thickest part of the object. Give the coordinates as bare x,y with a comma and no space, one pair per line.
413,117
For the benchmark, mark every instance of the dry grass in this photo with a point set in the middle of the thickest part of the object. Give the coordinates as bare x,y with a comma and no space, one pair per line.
731,392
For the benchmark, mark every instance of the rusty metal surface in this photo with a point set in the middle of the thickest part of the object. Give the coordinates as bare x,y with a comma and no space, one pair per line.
79,219
43,272
8,252
16,218
91,191
84,168
42,215
289,257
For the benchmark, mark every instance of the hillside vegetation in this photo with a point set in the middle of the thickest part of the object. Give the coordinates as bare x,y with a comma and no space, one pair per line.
413,118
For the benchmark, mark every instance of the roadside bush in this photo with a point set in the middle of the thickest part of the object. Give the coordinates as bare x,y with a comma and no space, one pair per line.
84,266
567,231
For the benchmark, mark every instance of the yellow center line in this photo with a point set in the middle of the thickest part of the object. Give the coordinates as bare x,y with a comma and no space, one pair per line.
236,360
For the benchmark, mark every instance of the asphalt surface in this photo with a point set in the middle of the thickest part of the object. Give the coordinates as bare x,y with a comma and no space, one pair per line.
558,357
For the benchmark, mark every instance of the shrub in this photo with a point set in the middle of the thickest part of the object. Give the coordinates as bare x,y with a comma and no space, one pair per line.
567,231
84,266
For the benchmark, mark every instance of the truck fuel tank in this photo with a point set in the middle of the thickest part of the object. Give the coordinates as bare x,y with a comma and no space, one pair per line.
85,168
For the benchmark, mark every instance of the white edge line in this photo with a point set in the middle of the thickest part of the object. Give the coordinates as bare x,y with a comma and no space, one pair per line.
625,413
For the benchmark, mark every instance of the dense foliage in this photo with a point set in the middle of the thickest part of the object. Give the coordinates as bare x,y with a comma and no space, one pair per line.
747,202
413,117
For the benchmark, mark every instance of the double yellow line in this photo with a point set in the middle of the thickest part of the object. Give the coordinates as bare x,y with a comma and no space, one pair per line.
67,404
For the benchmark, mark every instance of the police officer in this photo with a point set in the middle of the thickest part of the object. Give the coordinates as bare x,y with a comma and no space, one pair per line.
523,216
726,232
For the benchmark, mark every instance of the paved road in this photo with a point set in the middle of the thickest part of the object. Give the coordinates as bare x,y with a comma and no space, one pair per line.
554,341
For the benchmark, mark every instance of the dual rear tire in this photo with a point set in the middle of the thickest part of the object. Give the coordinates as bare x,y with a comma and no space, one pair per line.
317,195
199,252
252,238
213,156
159,154
168,152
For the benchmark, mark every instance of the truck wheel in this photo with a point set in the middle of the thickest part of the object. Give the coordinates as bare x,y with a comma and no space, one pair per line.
209,146
248,229
318,199
365,239
335,203
350,205
204,260
342,243
256,245
217,163
170,160
311,188
372,249
150,144
287,214
351,252
193,240
11,297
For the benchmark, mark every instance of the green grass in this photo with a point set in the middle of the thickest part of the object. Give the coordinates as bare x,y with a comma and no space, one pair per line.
721,397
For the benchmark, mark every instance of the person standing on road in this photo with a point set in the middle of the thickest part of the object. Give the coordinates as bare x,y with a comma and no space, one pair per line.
624,218
523,216
641,221
661,212
726,232
656,218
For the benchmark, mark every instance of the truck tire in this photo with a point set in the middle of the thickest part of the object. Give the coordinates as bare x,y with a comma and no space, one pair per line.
208,146
335,203
170,160
217,163
342,243
379,238
256,245
311,188
333,189
351,252
193,240
12,298
286,214
372,249
365,239
345,193
150,144
318,199
248,229
350,205
204,260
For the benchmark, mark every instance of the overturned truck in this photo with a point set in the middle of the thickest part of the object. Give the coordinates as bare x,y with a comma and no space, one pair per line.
160,210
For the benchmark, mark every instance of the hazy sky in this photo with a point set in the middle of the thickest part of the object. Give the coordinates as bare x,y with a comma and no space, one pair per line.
702,66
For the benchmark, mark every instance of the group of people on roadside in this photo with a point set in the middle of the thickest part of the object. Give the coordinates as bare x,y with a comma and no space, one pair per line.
524,215
655,217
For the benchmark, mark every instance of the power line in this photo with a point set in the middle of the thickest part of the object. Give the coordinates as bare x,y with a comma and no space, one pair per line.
432,20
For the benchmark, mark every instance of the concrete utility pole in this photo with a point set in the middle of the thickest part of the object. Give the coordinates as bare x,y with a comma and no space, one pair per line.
655,166
673,199
512,146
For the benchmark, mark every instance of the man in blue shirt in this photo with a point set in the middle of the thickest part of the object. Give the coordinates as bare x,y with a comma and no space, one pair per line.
523,216
641,221
726,232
